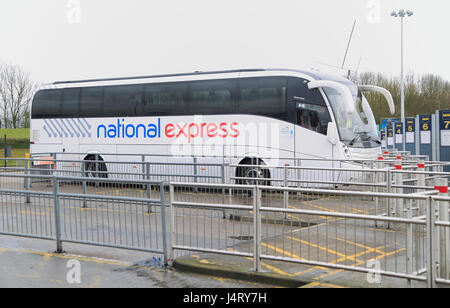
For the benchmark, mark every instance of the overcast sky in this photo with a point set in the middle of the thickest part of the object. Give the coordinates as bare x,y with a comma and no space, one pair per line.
78,39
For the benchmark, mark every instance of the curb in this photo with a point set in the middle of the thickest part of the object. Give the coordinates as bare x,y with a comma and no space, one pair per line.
194,266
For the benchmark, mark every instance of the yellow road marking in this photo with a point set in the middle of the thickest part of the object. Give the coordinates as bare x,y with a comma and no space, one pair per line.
48,256
269,267
308,270
28,212
322,284
107,210
36,275
319,207
322,248
369,249
286,253
289,255
45,260
96,283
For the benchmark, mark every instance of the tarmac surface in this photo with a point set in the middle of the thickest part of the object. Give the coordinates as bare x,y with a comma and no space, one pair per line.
26,263
295,238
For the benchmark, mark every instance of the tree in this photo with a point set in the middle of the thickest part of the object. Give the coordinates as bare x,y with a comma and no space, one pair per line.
423,95
16,93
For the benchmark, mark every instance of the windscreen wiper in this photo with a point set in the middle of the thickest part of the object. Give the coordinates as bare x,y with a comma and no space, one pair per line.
354,140
365,135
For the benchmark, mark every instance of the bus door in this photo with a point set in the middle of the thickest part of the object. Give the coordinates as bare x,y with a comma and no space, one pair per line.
311,141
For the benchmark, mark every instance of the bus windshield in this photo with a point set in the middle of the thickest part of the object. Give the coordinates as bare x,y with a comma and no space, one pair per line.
359,129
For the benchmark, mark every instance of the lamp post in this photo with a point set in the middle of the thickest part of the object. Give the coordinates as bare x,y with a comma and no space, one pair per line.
402,14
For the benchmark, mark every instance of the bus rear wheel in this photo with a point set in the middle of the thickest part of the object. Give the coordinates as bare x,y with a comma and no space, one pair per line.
253,174
94,167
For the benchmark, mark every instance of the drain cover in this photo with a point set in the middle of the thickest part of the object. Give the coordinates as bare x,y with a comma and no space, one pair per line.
242,238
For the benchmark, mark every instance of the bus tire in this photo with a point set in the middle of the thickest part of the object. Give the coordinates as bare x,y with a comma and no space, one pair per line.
252,172
94,169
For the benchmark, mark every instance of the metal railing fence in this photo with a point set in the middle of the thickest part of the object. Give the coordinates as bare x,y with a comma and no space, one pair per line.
75,216
312,231
309,216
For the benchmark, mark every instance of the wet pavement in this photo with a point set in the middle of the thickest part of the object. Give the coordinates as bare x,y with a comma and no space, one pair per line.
296,238
39,267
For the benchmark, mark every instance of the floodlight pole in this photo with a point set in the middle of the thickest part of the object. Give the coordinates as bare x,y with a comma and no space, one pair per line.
402,14
402,95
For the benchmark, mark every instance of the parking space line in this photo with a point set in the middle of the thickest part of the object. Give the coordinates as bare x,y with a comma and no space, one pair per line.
316,284
269,267
323,248
319,207
96,283
286,253
48,255
290,255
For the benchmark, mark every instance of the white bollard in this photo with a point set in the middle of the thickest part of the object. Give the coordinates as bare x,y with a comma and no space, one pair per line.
421,182
398,178
379,165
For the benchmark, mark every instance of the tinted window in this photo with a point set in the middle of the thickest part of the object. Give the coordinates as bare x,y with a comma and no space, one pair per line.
122,101
263,96
304,94
313,117
165,99
47,103
71,100
212,97
91,102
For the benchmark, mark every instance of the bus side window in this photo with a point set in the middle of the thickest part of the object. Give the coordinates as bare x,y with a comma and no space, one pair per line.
313,117
212,97
47,104
123,100
165,99
71,102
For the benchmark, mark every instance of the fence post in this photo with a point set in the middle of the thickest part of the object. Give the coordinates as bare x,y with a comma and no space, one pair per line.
409,243
149,197
222,168
421,182
431,237
398,179
256,229
96,170
444,232
144,167
389,190
27,181
59,248
373,176
163,222
195,174
147,171
379,165
172,225
84,184
53,155
285,193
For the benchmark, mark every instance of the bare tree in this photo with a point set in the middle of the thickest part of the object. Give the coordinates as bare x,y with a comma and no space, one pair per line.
16,92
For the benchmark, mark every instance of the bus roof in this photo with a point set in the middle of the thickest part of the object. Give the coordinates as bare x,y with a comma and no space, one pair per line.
314,74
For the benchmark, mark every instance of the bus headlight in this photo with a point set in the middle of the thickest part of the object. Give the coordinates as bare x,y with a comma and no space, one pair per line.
346,153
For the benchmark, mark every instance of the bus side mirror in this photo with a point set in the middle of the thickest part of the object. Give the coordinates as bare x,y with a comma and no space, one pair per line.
387,95
332,133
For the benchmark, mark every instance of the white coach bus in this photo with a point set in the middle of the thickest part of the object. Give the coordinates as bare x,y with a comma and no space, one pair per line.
268,115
